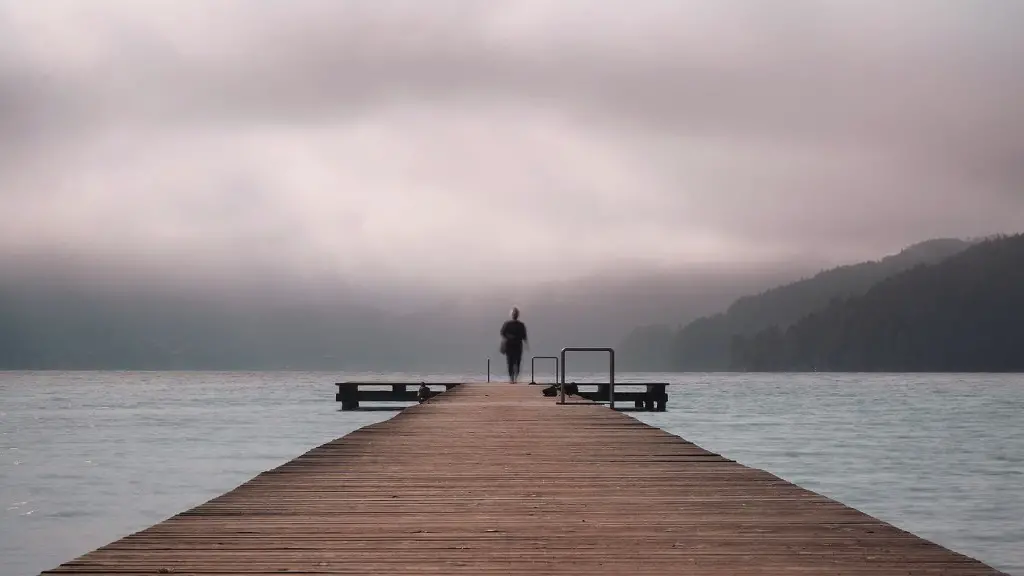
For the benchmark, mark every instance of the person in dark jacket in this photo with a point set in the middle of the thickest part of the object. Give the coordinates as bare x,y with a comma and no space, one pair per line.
513,338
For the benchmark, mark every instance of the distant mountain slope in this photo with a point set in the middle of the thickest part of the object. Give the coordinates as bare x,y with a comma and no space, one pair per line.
963,314
704,344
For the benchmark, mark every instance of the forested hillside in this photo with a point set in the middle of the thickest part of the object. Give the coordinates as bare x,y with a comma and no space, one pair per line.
964,314
705,343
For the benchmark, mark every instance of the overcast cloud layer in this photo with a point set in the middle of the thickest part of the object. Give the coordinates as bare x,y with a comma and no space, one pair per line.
447,142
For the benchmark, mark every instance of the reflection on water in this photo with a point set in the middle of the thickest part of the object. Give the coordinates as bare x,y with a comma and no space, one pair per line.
88,457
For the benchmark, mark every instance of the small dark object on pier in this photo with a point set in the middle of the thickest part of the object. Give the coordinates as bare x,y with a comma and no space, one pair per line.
423,393
570,390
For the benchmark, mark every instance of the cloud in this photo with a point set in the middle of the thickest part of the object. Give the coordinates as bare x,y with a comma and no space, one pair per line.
459,143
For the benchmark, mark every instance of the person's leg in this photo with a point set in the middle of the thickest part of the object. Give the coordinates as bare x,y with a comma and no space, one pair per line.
514,356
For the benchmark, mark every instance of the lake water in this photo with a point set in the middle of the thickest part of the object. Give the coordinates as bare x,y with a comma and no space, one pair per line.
89,457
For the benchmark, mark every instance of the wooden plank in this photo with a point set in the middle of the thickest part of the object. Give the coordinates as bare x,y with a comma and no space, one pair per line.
497,479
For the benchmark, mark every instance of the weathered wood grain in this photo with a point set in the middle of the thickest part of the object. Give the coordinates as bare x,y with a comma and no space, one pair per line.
497,479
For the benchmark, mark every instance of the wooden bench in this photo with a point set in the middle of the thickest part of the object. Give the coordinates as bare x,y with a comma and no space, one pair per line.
653,399
350,394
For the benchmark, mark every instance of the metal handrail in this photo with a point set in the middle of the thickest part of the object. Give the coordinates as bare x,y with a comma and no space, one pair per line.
533,362
611,372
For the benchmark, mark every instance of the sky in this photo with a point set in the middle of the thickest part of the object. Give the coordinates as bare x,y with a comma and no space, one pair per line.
459,145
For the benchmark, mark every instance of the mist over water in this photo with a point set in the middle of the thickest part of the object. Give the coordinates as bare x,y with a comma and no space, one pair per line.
89,457
54,319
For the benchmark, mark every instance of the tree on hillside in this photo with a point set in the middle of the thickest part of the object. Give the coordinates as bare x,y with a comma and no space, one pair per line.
706,344
965,313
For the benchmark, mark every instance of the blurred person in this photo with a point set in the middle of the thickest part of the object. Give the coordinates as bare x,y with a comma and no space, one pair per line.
513,338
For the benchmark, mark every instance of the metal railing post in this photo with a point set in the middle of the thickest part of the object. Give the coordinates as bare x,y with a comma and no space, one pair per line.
488,369
611,372
561,387
611,378
533,361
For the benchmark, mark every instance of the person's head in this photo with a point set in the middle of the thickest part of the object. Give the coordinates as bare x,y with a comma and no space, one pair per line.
515,313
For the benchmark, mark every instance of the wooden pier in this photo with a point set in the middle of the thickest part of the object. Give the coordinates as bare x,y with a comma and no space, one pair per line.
498,479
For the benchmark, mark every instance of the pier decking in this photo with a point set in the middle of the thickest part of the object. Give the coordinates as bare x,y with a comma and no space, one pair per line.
498,479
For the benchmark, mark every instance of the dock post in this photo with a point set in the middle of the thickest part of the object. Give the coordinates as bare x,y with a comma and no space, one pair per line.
488,369
349,397
655,398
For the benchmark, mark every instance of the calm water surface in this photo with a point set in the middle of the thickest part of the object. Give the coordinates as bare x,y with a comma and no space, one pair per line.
89,457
